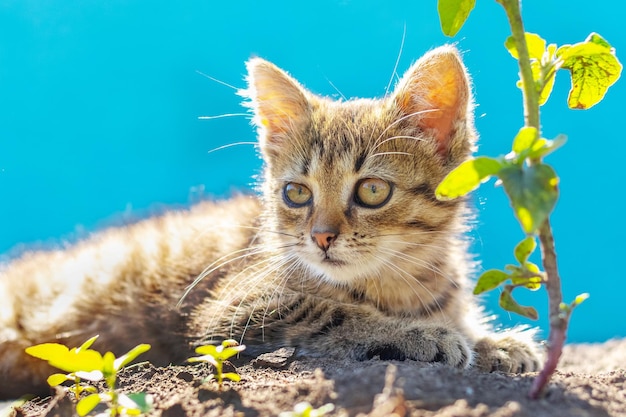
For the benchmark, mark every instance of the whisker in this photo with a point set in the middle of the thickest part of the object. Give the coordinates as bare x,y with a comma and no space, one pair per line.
389,153
401,119
403,274
230,145
217,264
395,67
251,283
285,274
420,262
261,229
417,244
221,116
397,137
336,89
217,81
415,233
275,266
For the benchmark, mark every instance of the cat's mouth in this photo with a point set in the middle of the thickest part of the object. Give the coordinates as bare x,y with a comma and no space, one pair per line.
332,261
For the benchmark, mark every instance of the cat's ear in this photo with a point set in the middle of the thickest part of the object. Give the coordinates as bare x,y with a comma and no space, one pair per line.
436,89
280,104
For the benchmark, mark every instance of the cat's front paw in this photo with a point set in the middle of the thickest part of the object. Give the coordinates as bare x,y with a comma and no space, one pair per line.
427,344
507,354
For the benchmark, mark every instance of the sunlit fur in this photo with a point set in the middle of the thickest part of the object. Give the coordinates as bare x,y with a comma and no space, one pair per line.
392,284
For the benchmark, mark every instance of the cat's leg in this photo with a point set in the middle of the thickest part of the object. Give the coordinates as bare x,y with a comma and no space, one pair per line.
319,327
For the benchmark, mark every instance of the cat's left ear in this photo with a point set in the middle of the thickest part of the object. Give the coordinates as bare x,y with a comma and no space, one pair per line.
436,90
280,104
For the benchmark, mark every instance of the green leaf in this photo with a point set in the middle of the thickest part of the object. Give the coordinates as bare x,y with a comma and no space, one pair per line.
125,359
549,76
535,44
207,350
231,351
544,146
524,249
593,67
533,193
74,360
580,299
453,14
57,379
533,283
204,358
141,401
509,304
232,376
467,177
47,351
489,280
108,364
84,406
524,140
87,343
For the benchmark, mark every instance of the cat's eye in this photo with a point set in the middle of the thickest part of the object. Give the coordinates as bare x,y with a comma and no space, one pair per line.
297,195
372,192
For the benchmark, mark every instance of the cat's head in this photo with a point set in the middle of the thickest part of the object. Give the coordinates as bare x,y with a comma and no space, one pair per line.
349,185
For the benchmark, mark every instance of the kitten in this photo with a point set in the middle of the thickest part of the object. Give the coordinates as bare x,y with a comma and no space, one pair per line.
346,254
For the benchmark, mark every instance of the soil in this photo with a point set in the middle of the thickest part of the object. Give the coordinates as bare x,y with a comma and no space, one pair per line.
591,381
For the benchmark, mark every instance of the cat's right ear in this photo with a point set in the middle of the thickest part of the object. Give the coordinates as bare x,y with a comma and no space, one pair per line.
279,103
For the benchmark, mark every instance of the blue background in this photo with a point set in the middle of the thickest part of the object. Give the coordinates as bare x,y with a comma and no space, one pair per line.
100,104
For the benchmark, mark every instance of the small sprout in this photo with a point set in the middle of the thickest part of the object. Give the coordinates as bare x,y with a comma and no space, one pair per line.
217,355
304,409
566,309
83,363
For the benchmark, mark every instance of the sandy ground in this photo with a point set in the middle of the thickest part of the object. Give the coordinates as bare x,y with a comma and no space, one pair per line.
591,381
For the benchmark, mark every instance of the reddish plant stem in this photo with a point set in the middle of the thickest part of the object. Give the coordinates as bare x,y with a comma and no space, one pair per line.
558,320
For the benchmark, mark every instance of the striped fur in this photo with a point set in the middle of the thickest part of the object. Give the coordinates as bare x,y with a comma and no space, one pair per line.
329,275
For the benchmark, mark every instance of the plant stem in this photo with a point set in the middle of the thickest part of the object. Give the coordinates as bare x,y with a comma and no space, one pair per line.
531,98
558,321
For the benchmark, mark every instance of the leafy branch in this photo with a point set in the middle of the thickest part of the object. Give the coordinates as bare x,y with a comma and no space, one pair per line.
532,185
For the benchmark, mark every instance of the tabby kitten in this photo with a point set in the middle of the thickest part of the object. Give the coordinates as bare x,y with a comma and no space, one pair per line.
346,254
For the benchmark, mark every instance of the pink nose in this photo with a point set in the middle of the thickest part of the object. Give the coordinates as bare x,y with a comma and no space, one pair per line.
324,239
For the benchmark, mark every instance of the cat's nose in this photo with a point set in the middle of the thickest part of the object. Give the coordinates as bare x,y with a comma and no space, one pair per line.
324,239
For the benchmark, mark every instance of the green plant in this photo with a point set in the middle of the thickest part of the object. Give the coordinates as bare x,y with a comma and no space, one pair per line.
76,361
83,363
304,409
216,356
532,185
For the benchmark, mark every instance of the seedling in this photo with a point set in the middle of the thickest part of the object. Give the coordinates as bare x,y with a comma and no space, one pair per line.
216,356
304,409
532,185
83,363
75,361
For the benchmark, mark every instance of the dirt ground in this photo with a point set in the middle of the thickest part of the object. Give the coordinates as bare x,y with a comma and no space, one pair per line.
591,381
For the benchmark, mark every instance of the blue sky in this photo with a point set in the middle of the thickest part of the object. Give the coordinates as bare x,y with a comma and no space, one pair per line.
100,106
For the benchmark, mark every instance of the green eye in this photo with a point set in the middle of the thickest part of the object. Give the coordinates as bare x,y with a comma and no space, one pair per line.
296,195
372,192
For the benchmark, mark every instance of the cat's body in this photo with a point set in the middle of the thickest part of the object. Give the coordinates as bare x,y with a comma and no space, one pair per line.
347,253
